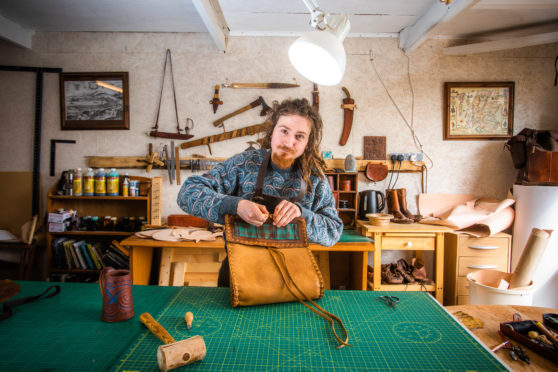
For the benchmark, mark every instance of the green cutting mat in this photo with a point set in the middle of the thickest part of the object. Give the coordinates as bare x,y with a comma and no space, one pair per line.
66,333
418,335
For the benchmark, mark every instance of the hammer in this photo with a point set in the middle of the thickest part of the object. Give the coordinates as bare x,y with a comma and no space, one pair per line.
174,353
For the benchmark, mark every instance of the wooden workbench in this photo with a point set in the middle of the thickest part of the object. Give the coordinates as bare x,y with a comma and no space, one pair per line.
492,316
176,255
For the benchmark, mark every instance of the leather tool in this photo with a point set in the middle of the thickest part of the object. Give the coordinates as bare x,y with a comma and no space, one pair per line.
216,101
260,85
152,158
315,97
348,106
246,131
177,162
155,132
251,105
174,353
172,161
390,300
166,157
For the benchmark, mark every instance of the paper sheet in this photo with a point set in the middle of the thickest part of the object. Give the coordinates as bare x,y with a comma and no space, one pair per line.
7,236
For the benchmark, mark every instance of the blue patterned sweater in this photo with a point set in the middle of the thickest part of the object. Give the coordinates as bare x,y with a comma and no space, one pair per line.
218,192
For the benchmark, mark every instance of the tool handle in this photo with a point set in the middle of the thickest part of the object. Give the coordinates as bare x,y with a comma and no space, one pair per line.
156,328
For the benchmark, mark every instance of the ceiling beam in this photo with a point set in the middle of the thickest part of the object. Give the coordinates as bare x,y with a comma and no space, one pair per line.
14,33
492,46
212,16
412,37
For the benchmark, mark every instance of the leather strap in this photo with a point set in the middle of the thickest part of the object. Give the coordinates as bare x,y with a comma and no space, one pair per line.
279,260
9,305
167,56
261,177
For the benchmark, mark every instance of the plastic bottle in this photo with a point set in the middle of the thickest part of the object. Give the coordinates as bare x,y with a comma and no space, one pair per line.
101,182
70,182
126,185
112,182
78,182
89,183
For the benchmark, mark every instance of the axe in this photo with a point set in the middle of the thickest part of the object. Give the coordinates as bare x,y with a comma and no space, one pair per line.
258,102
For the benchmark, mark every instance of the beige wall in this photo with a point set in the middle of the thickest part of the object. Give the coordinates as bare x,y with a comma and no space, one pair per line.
482,168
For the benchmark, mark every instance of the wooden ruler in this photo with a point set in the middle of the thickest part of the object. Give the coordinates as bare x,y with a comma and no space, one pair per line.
156,185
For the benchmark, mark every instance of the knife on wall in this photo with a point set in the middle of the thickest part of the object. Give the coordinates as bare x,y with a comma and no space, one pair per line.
260,85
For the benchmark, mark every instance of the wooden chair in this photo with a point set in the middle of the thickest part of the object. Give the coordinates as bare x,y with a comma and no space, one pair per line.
26,248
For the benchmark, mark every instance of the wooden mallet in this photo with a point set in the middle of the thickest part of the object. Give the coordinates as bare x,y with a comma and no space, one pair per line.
174,353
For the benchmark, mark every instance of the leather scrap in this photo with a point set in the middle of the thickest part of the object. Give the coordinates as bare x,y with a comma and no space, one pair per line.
376,172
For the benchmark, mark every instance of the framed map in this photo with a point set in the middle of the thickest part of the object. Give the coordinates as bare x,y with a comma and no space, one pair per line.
478,111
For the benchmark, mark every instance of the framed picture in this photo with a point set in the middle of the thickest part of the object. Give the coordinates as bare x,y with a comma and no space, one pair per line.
94,100
476,111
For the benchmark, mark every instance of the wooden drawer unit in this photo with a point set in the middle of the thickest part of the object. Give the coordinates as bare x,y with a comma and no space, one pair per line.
465,254
394,242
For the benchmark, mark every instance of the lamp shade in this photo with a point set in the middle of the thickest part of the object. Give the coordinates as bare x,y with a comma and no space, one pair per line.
319,56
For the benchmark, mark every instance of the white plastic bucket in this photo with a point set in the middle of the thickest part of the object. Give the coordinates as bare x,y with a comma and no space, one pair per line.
483,289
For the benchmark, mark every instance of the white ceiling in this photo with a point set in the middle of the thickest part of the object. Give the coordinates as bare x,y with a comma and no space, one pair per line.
473,19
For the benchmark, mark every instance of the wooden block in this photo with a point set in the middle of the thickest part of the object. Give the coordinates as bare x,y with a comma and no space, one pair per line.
374,148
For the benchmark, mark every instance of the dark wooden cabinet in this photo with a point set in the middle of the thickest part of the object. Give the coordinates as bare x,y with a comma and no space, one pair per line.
345,191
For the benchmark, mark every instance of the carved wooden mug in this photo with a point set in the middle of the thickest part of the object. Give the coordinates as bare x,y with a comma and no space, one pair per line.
116,289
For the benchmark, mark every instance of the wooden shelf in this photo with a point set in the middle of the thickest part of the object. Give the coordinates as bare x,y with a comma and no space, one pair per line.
92,233
98,198
406,166
148,206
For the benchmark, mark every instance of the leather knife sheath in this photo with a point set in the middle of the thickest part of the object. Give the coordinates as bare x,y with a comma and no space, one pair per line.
348,107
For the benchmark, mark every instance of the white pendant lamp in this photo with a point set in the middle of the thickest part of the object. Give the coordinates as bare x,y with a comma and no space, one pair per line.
319,55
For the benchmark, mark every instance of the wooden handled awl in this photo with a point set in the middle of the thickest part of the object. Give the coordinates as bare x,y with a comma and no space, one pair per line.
174,353
189,318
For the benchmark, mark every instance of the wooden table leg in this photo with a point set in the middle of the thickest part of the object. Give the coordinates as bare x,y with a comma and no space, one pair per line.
440,267
377,261
140,264
165,268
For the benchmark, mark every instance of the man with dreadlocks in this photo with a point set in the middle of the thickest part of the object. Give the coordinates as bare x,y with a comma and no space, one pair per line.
284,178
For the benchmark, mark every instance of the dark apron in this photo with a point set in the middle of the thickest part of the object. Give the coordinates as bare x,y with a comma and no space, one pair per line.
270,203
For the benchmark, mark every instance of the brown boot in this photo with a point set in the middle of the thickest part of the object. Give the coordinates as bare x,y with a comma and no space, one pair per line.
393,207
402,198
405,269
419,271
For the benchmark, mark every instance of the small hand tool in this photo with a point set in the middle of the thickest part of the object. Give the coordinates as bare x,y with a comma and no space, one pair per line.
548,334
174,353
189,318
216,101
389,300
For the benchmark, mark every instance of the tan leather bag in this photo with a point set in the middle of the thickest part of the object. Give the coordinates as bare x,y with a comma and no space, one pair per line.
269,265
258,264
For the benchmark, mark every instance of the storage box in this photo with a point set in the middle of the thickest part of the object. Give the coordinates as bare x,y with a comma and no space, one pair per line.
61,215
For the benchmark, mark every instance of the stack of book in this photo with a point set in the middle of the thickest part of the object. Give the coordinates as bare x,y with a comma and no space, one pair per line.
87,255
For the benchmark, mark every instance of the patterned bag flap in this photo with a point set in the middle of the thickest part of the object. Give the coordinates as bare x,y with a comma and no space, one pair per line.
291,236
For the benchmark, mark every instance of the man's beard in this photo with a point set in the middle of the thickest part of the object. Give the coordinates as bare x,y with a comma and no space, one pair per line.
280,160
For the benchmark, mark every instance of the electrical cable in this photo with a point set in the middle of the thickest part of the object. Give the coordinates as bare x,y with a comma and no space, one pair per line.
410,125
398,172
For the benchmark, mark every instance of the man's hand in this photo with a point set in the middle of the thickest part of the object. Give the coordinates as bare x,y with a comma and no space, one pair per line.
284,213
253,213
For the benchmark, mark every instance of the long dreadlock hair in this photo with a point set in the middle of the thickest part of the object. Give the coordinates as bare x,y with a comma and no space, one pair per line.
310,161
